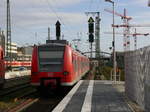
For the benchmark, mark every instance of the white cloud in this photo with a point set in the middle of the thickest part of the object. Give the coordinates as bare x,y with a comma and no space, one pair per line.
33,13
34,19
122,4
140,2
45,2
143,3
30,16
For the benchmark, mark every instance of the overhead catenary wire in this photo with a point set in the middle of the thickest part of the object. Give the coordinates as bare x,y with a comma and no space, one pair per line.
56,7
27,30
22,28
58,17
31,32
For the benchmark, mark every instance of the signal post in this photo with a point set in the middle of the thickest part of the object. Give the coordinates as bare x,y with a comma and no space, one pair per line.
91,31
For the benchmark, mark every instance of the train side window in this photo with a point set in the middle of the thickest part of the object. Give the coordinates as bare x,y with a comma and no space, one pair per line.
74,65
77,64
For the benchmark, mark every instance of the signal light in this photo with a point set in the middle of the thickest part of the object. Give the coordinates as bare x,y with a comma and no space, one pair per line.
91,27
58,30
91,37
113,43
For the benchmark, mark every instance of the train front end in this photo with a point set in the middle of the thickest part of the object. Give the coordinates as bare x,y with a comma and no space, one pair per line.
49,65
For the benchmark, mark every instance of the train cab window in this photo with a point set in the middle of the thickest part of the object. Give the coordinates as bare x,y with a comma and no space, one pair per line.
74,63
51,58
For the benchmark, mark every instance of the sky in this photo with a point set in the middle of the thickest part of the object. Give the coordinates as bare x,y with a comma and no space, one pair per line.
30,20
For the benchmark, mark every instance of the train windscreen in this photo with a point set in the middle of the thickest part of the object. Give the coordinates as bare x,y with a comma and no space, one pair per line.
51,58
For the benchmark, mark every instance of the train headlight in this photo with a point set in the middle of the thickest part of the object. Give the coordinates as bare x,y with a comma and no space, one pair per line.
65,73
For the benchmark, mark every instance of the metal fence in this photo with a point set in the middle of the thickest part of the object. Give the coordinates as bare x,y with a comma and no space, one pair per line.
137,77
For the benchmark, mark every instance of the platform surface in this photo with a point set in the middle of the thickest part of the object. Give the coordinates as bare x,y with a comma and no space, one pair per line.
93,96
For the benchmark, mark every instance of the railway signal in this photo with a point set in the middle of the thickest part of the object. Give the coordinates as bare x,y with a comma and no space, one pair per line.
58,30
97,32
91,31
91,38
91,25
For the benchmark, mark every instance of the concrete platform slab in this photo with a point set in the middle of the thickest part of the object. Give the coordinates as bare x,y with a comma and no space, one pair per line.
94,96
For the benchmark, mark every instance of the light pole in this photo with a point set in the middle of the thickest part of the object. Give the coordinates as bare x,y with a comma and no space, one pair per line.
113,43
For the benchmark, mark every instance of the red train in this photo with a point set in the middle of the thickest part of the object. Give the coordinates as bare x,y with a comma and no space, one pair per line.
57,63
2,68
16,64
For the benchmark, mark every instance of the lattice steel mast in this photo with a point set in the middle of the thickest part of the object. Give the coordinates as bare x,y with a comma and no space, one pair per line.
8,33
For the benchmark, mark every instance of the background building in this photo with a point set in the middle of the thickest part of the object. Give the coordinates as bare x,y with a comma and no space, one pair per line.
17,53
2,40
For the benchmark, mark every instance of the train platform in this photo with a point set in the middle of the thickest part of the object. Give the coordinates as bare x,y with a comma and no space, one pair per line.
94,96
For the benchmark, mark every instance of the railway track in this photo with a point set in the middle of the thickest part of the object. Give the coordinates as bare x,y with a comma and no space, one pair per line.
43,103
32,101
15,84
40,103
13,89
11,96
16,81
21,99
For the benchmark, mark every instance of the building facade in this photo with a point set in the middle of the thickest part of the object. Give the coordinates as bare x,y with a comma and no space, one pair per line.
2,40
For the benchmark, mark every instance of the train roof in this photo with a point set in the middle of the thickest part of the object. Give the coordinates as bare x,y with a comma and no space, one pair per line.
55,43
65,42
61,43
51,44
